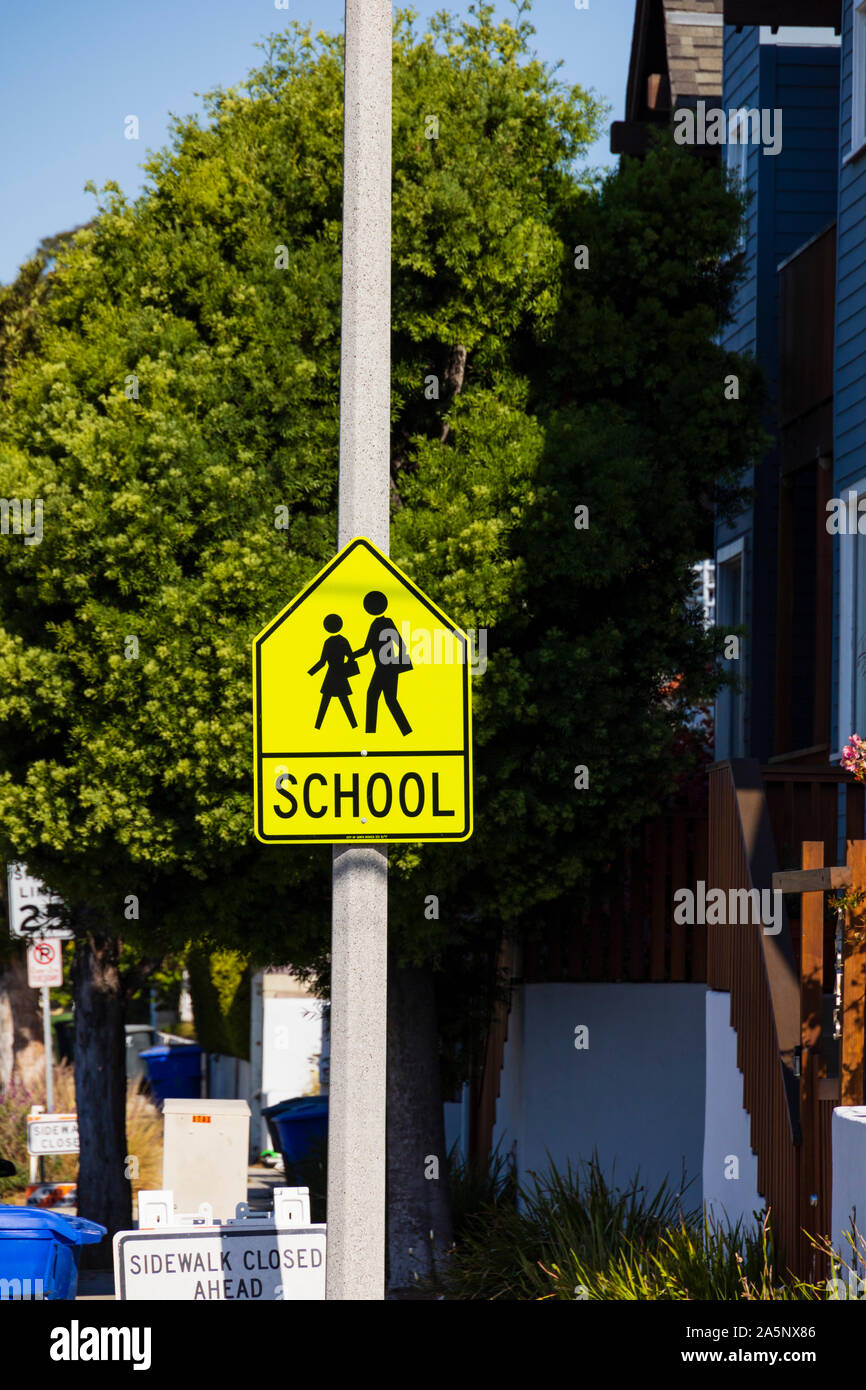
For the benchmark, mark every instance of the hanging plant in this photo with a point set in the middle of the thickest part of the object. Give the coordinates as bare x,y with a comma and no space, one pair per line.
854,757
849,903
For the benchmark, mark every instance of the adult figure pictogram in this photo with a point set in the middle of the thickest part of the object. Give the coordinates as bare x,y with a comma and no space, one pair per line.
338,657
390,659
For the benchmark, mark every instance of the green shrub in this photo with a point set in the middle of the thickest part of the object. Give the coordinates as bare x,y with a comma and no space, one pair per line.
15,1105
474,1188
219,983
577,1236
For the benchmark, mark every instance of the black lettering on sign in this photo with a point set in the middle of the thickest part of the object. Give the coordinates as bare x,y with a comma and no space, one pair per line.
411,777
314,777
379,777
283,791
436,810
339,795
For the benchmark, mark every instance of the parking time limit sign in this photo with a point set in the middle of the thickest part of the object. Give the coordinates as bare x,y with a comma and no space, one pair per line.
362,711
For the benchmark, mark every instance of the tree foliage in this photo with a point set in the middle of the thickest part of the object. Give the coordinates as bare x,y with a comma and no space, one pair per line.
184,389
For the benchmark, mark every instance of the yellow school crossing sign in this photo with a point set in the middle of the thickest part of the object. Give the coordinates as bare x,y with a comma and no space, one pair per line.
362,711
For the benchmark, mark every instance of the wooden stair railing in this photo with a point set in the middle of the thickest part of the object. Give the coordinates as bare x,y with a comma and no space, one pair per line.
759,972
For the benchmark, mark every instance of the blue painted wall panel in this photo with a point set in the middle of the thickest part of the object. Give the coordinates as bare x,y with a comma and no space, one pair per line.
794,196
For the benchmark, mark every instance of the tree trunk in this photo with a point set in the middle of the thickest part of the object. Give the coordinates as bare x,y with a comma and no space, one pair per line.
22,1054
104,1192
419,1208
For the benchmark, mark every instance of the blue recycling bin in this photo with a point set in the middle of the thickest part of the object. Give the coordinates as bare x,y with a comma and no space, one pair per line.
299,1124
40,1252
174,1069
270,1113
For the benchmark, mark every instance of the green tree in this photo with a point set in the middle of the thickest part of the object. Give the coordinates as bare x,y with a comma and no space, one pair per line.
184,392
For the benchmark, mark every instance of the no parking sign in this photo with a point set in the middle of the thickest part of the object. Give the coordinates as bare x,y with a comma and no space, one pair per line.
44,964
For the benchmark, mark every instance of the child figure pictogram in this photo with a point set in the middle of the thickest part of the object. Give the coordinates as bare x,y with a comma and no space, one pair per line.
338,657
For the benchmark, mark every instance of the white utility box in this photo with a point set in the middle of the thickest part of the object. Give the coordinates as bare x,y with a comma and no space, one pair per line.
205,1153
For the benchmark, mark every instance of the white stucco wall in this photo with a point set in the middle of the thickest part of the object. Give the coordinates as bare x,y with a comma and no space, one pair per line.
849,1181
292,1046
456,1113
726,1132
636,1094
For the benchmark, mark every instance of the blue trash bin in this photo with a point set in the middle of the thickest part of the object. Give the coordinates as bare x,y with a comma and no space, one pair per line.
174,1070
40,1251
270,1113
299,1124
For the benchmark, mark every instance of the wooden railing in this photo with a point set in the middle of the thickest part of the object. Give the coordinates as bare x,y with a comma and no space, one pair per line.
803,803
777,992
759,972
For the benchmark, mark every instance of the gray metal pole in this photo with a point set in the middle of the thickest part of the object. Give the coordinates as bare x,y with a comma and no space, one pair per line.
49,1051
359,921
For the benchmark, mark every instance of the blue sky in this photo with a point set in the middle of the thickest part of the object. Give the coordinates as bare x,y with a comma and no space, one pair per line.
74,71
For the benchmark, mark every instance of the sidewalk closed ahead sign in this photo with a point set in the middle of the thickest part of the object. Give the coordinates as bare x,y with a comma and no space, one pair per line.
362,711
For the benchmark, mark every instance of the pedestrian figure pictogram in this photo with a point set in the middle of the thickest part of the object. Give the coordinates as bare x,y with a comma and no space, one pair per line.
391,660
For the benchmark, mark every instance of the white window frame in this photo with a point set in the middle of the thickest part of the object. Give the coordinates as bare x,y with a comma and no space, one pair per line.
737,162
847,621
726,553
858,75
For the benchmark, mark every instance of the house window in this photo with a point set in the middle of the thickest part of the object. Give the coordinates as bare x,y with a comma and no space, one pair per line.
852,627
858,80
858,664
736,159
730,614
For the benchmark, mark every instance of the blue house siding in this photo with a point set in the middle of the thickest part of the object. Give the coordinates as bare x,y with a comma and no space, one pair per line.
740,86
849,368
793,197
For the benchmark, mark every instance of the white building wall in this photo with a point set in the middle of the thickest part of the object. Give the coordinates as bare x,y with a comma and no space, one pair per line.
730,1168
636,1094
849,1191
288,1046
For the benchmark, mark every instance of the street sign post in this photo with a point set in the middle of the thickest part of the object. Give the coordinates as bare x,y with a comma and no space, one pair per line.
44,964
33,910
362,711
248,1263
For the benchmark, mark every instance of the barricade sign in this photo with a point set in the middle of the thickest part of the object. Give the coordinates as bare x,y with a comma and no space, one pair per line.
52,1134
243,1263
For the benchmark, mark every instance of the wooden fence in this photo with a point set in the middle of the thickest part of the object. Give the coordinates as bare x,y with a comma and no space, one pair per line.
627,931
777,991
